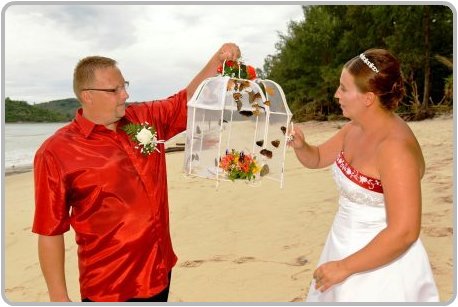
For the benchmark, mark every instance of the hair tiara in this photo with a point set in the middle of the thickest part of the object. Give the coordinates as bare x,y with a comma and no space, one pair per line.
368,63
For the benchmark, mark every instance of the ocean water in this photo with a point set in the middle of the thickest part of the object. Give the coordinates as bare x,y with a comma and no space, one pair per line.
22,140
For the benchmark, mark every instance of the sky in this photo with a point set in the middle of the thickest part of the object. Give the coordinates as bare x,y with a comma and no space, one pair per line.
159,48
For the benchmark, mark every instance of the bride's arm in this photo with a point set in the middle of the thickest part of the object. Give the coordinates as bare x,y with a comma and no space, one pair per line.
401,168
312,156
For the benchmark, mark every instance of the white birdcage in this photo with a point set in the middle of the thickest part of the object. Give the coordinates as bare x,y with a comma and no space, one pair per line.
249,116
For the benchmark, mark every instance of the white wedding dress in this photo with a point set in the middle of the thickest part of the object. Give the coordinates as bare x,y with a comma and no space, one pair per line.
360,217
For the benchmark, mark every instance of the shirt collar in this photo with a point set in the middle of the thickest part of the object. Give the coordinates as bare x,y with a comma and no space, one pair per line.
85,124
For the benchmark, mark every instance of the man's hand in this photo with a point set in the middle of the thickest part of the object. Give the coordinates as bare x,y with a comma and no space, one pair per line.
228,51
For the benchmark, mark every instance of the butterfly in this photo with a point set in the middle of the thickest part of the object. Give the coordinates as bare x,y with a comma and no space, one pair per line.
266,152
283,129
195,157
264,170
260,143
241,157
270,91
230,85
244,85
222,121
236,85
253,96
198,131
246,113
267,103
239,105
237,96
275,143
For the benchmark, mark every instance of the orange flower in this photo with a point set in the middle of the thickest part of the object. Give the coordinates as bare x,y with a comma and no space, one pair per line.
238,165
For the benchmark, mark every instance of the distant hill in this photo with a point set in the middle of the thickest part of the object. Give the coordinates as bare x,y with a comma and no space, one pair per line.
66,107
21,111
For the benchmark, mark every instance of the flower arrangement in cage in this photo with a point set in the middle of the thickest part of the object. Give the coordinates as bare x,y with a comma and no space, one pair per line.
238,165
231,69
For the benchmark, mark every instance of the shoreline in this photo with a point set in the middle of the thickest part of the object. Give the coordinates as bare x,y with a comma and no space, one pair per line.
14,170
177,143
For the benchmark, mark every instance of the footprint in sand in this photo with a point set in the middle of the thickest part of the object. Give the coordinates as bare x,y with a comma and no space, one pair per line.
297,299
14,289
244,259
447,199
300,261
219,258
294,245
192,263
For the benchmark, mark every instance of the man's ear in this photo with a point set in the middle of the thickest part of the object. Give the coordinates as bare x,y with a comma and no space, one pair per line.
86,97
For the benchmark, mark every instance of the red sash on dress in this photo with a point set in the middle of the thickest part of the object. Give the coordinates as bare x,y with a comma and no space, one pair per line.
354,175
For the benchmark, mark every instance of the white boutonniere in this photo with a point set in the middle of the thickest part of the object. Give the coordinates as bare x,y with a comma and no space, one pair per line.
144,135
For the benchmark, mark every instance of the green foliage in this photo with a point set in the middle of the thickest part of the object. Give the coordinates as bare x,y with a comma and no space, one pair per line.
66,107
16,111
311,55
132,129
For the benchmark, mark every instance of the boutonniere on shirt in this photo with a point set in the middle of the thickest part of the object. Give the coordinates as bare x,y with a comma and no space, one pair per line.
144,135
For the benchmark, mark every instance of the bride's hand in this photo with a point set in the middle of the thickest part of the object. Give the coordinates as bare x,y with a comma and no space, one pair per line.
329,274
296,138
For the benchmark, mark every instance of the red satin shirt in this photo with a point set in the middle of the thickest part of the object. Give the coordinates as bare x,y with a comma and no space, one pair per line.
115,199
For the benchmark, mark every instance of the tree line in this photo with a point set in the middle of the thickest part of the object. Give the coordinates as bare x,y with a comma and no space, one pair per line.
53,111
310,56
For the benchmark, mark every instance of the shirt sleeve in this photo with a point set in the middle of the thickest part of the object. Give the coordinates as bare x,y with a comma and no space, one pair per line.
168,115
51,211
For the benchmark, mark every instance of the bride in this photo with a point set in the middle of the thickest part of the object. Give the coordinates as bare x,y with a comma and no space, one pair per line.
373,252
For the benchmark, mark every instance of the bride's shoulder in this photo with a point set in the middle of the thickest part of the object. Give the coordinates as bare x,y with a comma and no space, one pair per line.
400,147
401,134
347,126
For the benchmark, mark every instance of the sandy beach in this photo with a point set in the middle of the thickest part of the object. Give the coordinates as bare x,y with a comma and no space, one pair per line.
242,243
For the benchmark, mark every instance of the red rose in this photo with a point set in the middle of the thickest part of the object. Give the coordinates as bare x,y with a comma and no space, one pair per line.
229,63
251,72
220,69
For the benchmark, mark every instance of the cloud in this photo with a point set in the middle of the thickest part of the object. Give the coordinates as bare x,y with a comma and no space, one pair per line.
159,47
102,26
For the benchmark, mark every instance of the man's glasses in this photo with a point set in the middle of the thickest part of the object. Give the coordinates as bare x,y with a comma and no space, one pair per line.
115,90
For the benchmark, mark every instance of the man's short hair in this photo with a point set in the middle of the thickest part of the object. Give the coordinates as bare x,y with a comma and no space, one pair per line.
84,73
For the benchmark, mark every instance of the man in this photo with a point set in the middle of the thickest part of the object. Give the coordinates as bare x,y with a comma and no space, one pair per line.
91,175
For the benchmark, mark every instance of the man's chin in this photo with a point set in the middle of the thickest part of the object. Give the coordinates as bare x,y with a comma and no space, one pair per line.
120,114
